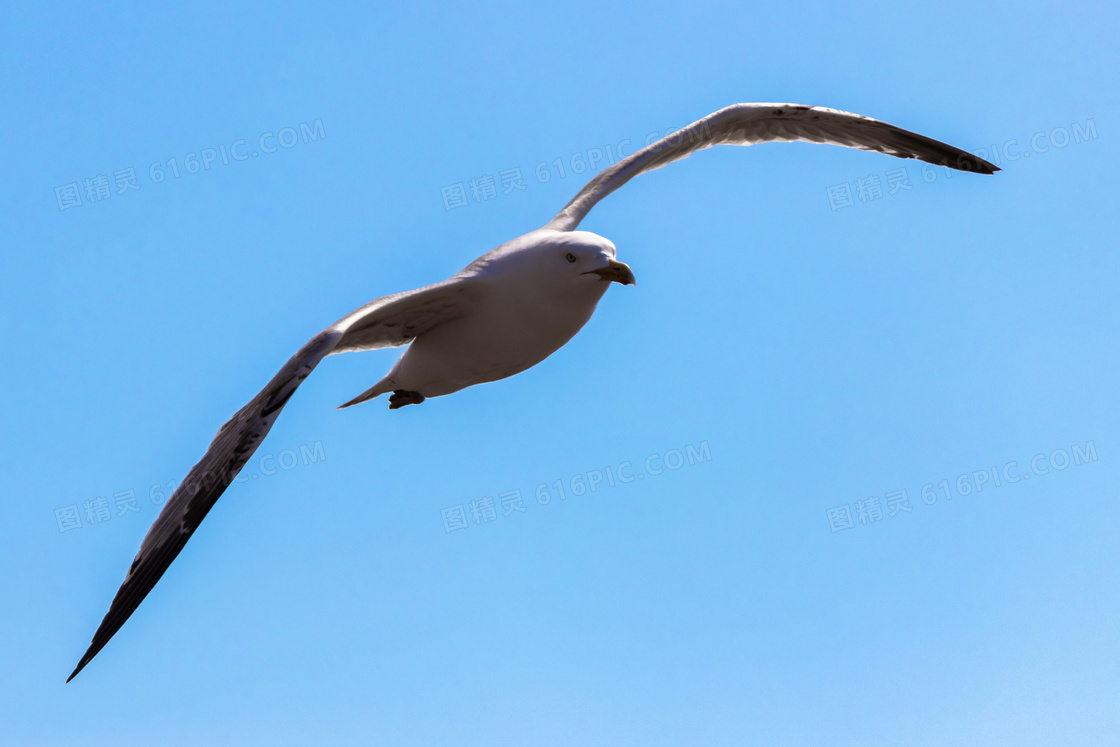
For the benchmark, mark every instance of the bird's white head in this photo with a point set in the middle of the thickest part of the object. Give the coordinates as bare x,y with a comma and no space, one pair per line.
577,261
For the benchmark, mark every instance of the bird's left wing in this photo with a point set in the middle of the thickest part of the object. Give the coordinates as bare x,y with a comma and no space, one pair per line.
749,124
389,321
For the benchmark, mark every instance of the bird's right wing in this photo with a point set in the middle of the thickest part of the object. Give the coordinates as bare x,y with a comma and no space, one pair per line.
387,322
749,124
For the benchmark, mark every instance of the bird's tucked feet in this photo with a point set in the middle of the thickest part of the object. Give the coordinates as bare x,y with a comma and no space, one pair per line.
400,398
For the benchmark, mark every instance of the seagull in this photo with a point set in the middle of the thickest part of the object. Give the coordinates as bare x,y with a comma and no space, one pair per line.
503,313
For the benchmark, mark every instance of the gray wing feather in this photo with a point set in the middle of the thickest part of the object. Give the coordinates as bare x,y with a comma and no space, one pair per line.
395,320
388,321
748,124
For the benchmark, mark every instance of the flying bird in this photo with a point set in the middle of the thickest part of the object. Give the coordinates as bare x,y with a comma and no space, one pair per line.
503,313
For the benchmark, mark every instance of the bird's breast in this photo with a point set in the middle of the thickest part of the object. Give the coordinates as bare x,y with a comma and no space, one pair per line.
503,335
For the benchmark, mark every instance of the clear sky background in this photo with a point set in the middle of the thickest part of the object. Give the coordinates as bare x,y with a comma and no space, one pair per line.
816,330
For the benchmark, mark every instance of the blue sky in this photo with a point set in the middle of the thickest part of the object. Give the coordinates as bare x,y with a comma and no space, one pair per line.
811,333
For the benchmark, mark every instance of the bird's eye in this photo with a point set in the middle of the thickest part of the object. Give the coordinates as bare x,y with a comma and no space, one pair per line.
570,257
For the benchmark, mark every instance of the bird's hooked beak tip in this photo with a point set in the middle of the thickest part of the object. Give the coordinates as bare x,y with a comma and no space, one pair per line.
615,272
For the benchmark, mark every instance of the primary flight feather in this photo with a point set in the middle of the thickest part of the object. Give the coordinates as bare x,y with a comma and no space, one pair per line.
505,312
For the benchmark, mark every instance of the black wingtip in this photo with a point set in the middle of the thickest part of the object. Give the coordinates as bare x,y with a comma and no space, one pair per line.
974,164
943,154
80,667
94,649
986,167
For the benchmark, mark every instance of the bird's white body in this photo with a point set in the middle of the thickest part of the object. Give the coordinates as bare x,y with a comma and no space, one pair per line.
531,295
511,330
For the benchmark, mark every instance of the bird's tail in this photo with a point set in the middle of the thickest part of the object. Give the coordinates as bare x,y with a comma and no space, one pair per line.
372,393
